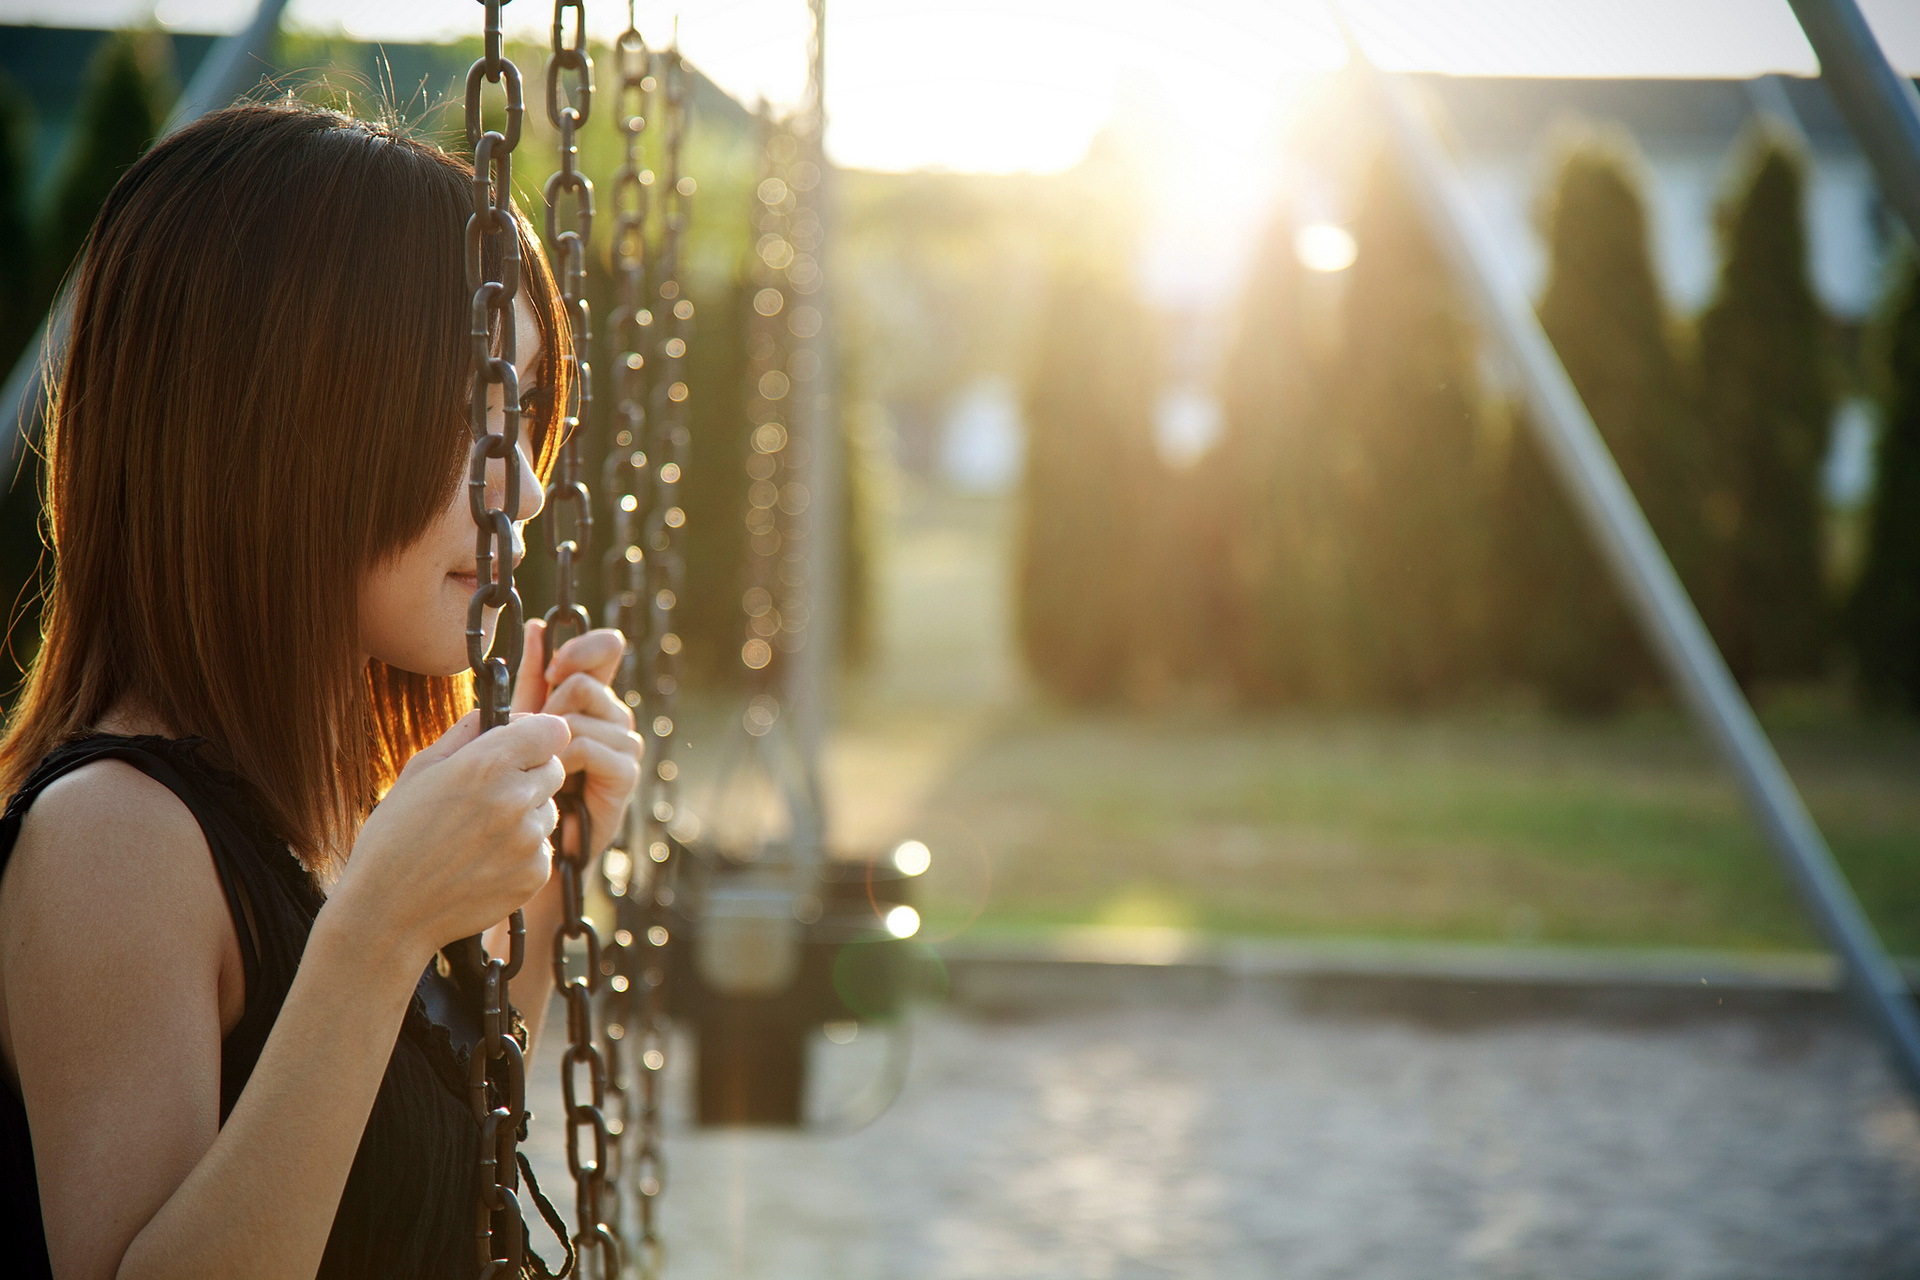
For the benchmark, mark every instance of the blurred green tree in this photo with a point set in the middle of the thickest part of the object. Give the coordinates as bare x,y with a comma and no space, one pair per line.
713,489
121,110
1408,468
19,312
1275,552
863,499
1883,615
1085,585
120,113
1765,403
1567,631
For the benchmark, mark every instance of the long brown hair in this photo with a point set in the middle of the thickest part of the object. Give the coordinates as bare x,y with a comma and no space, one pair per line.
263,399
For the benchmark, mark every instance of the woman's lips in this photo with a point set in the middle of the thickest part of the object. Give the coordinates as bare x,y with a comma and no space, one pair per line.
470,579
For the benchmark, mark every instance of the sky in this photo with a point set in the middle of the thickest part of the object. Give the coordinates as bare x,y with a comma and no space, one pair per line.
1004,85
1023,85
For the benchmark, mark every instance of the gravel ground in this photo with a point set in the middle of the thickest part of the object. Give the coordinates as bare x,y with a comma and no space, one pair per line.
1260,1136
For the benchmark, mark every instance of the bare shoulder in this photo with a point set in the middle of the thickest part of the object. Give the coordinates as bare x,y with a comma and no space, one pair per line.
101,830
111,882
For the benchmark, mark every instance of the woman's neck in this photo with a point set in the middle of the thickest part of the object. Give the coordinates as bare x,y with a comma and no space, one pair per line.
133,717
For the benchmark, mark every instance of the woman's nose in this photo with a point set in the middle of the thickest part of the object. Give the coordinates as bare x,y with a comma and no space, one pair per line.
533,495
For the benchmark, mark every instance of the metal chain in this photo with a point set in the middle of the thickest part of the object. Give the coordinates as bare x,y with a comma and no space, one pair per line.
569,528
497,1083
667,447
766,603
798,147
663,561
625,580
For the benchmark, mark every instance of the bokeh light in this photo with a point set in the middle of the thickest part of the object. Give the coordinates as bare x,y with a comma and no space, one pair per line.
912,858
1323,246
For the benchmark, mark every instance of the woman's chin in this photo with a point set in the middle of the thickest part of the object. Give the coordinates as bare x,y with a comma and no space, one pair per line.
426,665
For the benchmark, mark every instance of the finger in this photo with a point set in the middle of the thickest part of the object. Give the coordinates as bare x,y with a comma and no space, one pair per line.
530,689
580,692
463,731
605,763
529,739
597,653
616,736
549,777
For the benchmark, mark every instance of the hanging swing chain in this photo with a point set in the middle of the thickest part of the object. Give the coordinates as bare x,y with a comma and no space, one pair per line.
569,527
667,447
497,1081
769,462
625,579
661,559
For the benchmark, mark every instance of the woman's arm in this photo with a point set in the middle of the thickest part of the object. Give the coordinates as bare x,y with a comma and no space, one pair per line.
114,929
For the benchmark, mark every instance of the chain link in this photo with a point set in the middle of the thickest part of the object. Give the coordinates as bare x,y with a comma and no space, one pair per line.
569,529
625,574
667,441
497,1082
645,572
665,318
773,606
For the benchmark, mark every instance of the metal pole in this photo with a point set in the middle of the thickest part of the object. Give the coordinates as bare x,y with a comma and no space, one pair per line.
1880,104
811,693
1570,439
1767,99
227,71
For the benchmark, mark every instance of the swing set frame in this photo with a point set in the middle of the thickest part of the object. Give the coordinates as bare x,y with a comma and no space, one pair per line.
1882,110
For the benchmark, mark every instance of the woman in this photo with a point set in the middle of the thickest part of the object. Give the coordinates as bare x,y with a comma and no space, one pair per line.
219,1054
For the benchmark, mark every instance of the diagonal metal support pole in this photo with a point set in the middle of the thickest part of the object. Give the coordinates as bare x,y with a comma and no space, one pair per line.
1574,446
229,69
1880,104
817,420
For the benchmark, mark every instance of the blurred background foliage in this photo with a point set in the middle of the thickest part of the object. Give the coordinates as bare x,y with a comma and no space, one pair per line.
1343,662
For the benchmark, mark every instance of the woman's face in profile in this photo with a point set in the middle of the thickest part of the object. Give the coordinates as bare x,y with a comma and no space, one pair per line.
413,608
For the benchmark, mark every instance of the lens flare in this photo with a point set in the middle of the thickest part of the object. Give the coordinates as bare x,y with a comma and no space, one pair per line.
1322,246
903,922
912,857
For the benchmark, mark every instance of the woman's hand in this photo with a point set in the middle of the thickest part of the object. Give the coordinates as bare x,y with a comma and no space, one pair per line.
576,686
461,839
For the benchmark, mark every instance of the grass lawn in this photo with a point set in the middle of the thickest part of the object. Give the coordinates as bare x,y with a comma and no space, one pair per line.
1465,828
1473,826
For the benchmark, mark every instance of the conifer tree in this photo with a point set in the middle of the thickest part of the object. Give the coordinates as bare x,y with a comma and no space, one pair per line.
120,113
1765,403
862,498
714,489
19,314
1883,616
1275,605
118,118
1414,506
1569,630
1084,585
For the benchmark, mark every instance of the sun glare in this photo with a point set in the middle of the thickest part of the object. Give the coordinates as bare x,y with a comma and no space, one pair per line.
1323,246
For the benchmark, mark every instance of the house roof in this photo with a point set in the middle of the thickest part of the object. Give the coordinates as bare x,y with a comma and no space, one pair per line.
1513,112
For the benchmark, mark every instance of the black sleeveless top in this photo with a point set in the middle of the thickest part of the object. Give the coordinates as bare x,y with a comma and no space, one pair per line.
407,1211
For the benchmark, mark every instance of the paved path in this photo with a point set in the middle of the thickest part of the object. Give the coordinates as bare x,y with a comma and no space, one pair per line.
1249,1137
